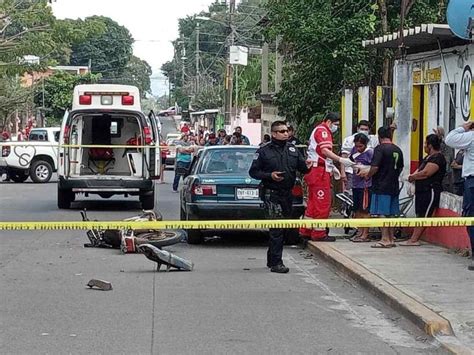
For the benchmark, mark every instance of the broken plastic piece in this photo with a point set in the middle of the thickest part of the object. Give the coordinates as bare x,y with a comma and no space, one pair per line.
100,284
163,257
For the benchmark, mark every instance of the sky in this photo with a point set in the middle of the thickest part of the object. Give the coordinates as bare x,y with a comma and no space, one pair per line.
152,23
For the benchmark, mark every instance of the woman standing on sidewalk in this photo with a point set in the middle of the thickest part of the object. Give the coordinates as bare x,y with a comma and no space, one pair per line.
361,187
428,179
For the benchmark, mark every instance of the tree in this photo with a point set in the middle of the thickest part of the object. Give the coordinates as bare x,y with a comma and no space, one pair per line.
58,93
13,98
109,51
137,73
26,28
323,52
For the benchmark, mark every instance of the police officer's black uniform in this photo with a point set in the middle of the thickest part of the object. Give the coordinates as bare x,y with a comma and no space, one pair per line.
278,201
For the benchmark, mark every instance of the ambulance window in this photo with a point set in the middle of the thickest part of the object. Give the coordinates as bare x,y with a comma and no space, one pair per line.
116,127
113,128
56,136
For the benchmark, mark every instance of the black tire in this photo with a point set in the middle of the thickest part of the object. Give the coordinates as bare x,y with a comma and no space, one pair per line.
41,171
65,198
195,236
164,238
292,237
148,201
18,176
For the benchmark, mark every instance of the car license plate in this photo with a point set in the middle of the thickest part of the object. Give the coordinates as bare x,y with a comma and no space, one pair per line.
247,194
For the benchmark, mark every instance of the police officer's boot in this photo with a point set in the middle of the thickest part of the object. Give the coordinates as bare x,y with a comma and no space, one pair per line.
471,267
280,269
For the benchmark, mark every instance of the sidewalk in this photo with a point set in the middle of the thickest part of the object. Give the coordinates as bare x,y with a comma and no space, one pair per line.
427,284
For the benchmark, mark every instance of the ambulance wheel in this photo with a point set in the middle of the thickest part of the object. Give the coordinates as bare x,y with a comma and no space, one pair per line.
65,198
148,201
41,171
194,236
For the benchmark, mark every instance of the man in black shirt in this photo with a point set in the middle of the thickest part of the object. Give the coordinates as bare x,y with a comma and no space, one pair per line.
276,164
386,167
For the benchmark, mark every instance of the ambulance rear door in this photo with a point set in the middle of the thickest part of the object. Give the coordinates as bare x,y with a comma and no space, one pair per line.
154,168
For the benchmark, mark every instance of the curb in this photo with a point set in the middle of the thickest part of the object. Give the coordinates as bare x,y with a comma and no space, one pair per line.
425,318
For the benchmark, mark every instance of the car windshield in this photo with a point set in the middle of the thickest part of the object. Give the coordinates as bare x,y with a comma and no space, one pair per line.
227,161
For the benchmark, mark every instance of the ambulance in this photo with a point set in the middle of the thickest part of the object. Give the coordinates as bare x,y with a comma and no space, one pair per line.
108,146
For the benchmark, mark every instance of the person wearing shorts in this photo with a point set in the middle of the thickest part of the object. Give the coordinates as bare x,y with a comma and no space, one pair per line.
385,170
428,179
362,155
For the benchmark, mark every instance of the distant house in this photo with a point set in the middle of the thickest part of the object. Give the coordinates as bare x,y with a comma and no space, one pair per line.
28,79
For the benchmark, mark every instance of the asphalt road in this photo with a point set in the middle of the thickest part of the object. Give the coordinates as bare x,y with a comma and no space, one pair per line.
230,303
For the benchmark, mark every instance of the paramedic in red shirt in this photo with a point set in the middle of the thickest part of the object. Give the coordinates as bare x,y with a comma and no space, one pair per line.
318,180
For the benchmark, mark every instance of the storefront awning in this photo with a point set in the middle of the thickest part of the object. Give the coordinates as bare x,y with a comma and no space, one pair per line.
418,39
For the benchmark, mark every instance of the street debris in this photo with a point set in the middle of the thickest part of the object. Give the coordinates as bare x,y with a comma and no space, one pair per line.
100,284
163,257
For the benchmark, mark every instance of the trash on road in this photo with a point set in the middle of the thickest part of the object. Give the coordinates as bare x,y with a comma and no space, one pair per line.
163,257
100,284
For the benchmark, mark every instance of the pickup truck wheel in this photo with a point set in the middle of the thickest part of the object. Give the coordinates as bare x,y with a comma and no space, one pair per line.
18,176
148,201
41,171
65,197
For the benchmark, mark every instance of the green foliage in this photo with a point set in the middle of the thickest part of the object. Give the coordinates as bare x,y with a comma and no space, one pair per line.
13,98
138,73
58,91
214,39
26,27
109,51
323,52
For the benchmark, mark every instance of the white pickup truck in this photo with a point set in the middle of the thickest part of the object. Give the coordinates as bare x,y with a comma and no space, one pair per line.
35,158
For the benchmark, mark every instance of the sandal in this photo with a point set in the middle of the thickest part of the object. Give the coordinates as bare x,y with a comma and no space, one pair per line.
381,245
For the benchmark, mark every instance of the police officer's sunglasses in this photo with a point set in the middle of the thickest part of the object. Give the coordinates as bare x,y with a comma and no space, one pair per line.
282,131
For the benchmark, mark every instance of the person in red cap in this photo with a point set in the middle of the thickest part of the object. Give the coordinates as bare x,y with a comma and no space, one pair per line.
211,140
318,180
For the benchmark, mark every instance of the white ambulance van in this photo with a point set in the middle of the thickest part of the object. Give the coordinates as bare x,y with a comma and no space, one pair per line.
108,115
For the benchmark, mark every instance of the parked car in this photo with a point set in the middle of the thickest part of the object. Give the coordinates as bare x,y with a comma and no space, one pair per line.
219,187
170,111
171,139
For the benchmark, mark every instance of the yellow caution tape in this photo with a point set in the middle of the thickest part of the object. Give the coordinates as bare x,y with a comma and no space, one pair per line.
116,146
244,224
77,146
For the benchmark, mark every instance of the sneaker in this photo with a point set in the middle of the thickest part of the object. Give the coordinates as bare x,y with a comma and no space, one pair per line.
175,191
280,269
325,239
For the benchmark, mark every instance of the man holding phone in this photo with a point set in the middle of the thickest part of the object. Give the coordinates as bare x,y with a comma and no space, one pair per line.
276,164
463,138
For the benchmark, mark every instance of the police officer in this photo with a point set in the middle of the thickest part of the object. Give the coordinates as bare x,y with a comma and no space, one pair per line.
276,164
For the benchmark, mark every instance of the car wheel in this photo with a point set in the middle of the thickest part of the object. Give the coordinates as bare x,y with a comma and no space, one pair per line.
41,171
65,198
148,200
194,236
18,176
292,237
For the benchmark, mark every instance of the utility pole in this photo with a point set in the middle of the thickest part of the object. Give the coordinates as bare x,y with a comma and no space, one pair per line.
183,58
197,58
230,70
